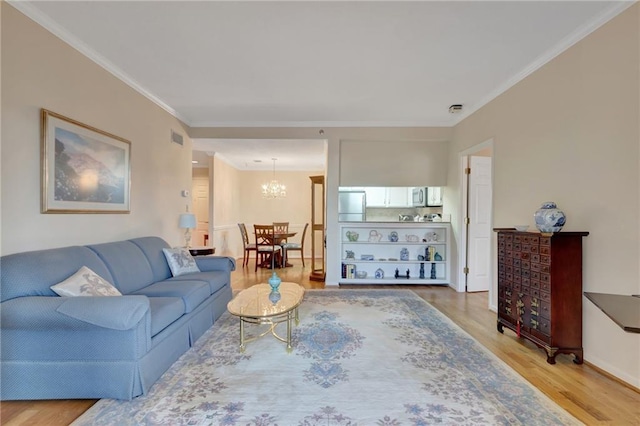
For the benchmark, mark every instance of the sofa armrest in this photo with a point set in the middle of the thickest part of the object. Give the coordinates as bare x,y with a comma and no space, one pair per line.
50,328
216,263
82,313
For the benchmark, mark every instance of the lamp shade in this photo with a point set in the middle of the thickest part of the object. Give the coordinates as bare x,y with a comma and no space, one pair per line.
187,220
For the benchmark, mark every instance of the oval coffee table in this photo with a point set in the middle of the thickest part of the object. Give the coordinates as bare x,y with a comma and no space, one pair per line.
253,305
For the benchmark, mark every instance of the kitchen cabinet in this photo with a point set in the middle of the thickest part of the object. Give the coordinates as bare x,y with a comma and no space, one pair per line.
378,254
434,196
540,289
378,196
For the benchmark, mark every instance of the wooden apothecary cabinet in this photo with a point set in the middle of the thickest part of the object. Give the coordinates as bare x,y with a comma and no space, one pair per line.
540,289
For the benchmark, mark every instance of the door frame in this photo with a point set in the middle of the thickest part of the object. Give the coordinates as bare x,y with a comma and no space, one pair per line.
464,197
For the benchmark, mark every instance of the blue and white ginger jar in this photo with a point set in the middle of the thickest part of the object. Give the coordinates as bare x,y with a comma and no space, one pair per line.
549,218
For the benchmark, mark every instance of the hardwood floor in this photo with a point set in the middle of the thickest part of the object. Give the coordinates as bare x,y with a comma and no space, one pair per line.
586,393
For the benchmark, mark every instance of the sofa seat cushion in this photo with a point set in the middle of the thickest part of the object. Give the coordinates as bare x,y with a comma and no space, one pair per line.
215,279
164,311
192,292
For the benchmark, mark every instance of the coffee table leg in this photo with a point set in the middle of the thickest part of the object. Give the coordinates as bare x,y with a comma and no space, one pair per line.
297,318
289,318
242,347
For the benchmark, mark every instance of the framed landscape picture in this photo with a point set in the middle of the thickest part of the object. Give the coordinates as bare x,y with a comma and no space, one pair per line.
84,170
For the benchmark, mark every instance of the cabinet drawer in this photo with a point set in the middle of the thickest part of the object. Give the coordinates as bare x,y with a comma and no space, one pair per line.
545,310
535,275
535,258
525,264
517,247
526,281
545,250
544,296
535,266
545,260
517,262
545,285
544,326
535,284
545,241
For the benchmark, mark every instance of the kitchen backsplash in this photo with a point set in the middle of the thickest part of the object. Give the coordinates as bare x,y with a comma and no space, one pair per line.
392,214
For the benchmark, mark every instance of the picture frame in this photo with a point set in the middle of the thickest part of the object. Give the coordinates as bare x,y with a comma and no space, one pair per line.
84,169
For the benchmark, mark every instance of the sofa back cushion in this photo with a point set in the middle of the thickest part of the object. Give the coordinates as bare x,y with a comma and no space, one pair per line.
152,249
127,264
32,273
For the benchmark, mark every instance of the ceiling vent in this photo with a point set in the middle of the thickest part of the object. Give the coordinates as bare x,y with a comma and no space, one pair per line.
177,138
455,108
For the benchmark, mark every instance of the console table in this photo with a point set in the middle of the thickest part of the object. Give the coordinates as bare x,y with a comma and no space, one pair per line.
623,310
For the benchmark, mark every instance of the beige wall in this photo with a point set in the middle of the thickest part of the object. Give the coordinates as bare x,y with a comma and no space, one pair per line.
393,163
41,71
569,133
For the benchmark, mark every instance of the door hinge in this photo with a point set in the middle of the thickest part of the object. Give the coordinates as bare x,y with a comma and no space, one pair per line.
465,270
467,220
467,170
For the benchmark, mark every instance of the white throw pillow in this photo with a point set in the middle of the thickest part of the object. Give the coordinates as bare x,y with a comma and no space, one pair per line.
180,261
85,282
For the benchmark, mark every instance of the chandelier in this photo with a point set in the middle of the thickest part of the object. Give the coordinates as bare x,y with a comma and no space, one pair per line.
274,189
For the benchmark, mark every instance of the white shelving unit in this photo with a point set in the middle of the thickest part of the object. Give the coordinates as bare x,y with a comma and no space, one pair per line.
374,241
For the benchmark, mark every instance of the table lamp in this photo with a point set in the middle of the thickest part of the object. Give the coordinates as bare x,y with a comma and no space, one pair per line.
187,222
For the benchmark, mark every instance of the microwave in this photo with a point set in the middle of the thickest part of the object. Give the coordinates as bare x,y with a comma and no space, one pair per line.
427,196
419,197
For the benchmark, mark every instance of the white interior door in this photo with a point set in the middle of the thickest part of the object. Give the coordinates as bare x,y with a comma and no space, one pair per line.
200,201
479,228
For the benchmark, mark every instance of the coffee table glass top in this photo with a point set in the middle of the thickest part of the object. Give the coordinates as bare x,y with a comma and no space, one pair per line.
254,301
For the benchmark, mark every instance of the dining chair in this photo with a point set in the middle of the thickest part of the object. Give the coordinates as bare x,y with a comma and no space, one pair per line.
295,246
281,228
266,249
247,247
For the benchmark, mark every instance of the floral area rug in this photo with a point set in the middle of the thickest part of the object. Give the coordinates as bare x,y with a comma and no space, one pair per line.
360,357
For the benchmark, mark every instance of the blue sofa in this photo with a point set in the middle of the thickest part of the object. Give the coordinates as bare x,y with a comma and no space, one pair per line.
102,347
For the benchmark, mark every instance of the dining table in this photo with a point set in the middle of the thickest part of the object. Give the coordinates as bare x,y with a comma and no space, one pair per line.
278,238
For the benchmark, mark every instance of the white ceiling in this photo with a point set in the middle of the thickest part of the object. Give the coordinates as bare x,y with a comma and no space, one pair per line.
323,63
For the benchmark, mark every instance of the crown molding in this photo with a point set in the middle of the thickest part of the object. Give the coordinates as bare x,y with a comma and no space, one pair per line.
328,124
550,54
33,13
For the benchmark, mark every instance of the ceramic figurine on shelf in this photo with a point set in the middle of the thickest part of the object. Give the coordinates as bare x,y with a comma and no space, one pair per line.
350,254
393,236
379,273
422,271
404,254
407,274
397,274
437,257
433,271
